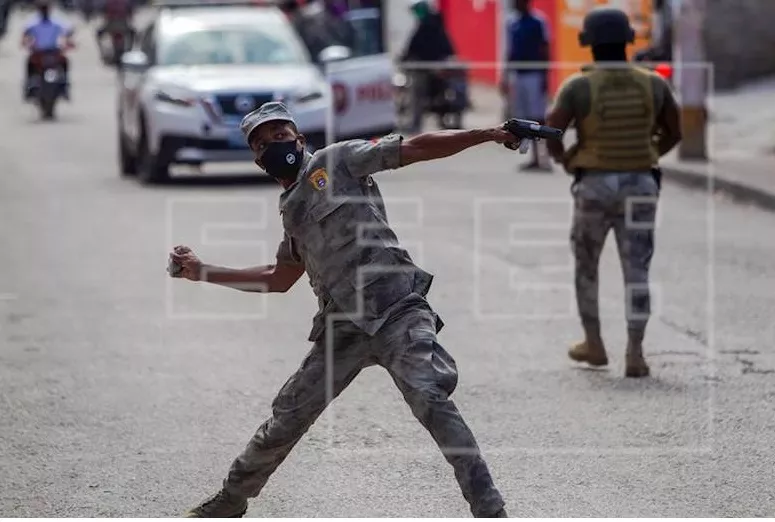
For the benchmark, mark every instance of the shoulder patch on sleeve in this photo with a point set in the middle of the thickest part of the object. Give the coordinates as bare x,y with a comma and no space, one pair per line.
319,179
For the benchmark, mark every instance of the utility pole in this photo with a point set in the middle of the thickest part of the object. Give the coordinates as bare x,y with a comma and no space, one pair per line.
692,78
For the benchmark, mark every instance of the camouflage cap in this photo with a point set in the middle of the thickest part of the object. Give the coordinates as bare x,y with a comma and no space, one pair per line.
270,111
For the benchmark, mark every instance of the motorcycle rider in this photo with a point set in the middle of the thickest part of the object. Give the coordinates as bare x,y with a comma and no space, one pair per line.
317,27
44,33
117,16
430,42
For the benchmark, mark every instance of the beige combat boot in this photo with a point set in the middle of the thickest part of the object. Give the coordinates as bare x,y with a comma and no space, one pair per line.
592,349
221,505
589,351
635,364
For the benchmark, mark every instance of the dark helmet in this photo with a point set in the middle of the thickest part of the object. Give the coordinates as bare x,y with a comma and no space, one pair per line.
606,25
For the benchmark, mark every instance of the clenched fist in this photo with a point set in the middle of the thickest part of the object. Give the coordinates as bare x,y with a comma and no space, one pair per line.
184,264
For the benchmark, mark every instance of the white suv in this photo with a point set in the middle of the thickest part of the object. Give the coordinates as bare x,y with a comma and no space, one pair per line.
198,69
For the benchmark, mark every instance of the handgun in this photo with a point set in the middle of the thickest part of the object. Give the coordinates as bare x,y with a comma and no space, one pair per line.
531,130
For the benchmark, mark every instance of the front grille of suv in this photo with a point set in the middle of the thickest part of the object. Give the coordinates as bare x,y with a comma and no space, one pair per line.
228,102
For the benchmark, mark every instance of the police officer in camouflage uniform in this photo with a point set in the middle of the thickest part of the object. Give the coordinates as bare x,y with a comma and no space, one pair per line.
373,308
626,118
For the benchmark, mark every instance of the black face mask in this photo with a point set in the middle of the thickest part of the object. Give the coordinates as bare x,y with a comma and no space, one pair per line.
282,160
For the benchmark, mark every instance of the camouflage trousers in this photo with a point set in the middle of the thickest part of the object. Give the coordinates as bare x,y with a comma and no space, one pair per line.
406,346
627,203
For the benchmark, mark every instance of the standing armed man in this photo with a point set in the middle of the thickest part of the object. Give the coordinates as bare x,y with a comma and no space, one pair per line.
626,118
373,309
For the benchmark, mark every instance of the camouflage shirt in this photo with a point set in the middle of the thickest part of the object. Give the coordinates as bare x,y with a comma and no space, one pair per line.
336,226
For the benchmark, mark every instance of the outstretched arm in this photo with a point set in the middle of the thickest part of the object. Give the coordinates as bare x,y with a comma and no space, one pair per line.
445,143
363,158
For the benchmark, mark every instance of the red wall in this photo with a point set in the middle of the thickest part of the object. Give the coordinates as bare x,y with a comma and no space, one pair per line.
475,28
473,32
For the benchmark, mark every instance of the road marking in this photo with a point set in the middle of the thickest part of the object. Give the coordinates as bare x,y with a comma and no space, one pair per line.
8,297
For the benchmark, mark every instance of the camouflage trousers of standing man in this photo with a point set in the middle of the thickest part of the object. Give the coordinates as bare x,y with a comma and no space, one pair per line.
406,346
625,202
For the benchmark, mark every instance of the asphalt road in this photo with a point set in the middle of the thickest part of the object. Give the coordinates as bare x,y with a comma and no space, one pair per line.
125,394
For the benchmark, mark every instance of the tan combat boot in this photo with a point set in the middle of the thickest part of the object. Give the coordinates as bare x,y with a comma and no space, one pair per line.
590,352
220,505
635,364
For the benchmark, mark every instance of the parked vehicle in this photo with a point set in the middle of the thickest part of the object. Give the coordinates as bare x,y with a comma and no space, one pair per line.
199,67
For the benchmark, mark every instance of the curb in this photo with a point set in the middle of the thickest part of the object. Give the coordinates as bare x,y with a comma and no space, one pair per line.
738,191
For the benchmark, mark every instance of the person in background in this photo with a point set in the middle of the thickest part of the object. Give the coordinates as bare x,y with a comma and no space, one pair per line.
430,42
525,89
117,16
317,27
661,49
292,10
337,8
626,119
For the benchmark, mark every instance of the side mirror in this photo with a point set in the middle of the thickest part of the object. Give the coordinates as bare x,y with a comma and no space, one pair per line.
134,61
334,53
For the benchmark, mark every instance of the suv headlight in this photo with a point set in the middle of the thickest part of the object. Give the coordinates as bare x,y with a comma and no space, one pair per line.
175,96
307,96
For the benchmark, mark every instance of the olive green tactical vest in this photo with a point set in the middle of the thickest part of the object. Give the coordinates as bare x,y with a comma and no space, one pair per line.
617,134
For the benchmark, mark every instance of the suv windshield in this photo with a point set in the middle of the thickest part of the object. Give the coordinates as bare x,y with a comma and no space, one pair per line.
232,46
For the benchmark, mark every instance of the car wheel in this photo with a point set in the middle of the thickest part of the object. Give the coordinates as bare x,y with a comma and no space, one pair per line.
151,170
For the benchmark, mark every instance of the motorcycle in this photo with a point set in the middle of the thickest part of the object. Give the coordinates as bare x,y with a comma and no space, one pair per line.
446,96
49,82
449,98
